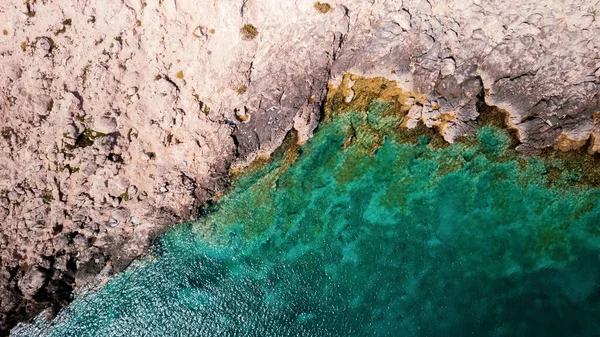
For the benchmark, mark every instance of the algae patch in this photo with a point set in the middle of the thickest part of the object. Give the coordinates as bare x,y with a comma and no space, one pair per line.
87,138
322,7
248,32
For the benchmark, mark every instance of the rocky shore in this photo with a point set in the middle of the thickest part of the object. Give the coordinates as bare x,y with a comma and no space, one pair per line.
119,119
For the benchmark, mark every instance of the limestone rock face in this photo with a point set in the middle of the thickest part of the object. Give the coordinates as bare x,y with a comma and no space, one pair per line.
118,118
536,62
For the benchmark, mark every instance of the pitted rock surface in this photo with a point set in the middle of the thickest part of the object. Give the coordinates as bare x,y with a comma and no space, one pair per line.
119,118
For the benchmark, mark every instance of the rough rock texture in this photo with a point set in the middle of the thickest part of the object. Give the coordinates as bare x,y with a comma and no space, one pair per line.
118,118
537,61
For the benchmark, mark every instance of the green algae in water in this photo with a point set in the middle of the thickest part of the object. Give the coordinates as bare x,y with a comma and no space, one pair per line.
404,240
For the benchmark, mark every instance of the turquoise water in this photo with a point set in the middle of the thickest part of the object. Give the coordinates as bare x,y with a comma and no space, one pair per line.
366,236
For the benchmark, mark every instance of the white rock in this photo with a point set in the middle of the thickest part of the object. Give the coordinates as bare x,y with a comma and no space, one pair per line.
105,124
32,281
448,67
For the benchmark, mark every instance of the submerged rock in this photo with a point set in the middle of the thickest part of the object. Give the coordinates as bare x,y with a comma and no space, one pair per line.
368,231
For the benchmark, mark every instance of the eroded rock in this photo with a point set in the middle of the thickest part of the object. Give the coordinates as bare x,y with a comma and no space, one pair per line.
32,281
145,108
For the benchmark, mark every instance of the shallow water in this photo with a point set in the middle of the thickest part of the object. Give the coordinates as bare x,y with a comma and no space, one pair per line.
363,235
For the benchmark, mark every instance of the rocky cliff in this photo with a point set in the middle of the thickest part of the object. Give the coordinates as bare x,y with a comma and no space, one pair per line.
120,118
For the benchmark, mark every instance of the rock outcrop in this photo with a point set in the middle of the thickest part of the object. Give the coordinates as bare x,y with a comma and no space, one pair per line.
119,118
